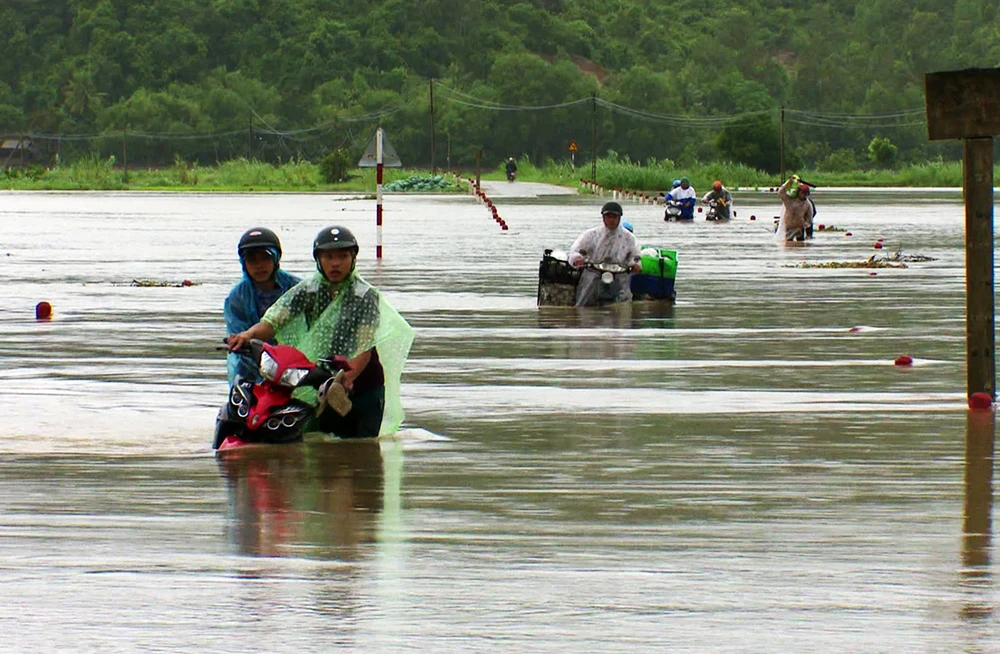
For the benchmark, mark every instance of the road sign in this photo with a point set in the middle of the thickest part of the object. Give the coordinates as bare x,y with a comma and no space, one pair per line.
573,147
963,104
389,157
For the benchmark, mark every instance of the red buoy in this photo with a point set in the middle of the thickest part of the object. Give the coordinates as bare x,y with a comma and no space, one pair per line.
980,401
904,360
753,217
878,245
854,330
43,311
848,234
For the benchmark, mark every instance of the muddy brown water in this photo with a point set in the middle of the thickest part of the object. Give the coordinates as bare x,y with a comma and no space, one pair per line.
742,471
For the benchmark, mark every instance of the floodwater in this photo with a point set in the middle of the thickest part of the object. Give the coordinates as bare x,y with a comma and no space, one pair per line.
740,472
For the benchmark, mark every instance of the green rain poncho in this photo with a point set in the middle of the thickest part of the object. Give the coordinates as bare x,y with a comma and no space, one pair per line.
323,319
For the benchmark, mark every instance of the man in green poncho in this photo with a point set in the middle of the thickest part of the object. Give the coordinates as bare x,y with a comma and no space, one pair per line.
336,312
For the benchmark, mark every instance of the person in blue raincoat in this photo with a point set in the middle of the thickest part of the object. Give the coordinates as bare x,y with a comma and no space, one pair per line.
263,283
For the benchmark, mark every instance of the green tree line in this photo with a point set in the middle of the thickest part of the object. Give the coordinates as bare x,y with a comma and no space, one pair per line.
687,81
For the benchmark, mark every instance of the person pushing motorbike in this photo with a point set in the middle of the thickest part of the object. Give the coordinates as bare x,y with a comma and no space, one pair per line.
686,196
336,312
263,283
606,243
723,199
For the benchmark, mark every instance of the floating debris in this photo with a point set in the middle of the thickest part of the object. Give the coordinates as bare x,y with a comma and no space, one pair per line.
157,283
884,260
899,256
870,263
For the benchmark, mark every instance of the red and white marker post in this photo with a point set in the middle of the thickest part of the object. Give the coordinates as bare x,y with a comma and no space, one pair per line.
378,193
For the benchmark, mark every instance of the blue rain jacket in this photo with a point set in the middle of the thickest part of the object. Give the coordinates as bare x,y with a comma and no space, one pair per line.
243,309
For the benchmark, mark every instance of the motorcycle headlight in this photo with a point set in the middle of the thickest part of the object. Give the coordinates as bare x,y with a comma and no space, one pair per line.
293,376
268,366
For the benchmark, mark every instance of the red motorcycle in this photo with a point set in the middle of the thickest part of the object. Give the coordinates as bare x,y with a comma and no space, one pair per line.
264,411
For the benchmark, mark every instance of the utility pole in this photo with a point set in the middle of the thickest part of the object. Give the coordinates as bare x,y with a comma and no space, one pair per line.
125,148
964,104
782,145
249,137
593,137
430,86
479,168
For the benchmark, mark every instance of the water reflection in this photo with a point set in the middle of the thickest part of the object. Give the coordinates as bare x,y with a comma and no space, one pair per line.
626,315
980,435
316,500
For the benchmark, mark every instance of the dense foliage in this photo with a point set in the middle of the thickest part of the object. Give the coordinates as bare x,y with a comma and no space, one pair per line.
686,81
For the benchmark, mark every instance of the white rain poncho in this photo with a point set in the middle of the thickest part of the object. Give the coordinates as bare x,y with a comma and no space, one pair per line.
322,319
602,245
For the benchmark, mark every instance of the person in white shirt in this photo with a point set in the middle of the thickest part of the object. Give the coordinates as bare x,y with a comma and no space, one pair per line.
686,195
606,243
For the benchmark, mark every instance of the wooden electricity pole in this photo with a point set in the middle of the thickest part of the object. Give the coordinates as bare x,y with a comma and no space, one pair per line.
965,104
782,145
593,137
430,86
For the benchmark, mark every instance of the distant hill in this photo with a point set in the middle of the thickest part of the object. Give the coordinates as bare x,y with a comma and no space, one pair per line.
689,81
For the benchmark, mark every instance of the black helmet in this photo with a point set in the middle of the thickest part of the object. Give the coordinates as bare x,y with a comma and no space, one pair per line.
612,207
334,238
258,238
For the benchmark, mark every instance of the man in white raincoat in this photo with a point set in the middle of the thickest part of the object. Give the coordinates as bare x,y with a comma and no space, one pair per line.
606,243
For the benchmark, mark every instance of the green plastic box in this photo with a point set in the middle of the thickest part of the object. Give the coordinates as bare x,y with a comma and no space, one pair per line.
664,265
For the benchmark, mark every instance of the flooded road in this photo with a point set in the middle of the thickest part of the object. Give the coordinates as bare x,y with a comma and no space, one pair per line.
744,471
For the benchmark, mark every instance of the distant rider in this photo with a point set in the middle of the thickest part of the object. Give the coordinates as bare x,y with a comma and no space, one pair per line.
796,209
606,243
684,194
263,283
723,199
511,169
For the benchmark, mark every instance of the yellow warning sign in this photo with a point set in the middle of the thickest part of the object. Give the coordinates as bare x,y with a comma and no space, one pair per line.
573,147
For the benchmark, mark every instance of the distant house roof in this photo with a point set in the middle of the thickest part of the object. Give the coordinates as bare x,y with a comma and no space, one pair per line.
15,144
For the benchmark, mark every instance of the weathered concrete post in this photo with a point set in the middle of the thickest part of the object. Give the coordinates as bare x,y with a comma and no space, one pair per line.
965,104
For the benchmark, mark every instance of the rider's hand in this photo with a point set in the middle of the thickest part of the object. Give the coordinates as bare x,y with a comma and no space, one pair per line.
237,342
576,261
636,267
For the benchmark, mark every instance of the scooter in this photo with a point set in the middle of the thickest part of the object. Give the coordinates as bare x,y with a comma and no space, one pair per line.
511,174
713,212
265,411
614,278
675,210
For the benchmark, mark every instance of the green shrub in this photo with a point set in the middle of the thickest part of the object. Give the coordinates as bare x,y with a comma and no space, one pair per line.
882,153
839,161
334,166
